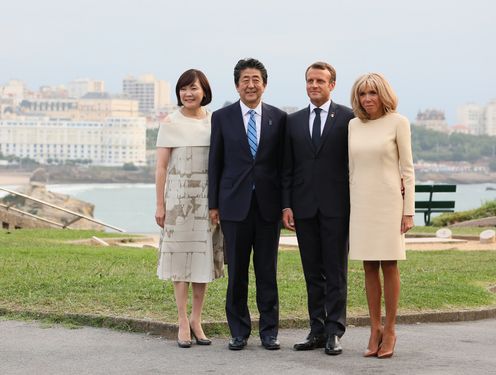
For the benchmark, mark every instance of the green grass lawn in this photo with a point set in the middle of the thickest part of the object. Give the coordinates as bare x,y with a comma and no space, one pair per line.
40,272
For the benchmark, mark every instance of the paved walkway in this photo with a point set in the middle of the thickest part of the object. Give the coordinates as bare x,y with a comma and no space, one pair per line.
412,243
449,348
292,241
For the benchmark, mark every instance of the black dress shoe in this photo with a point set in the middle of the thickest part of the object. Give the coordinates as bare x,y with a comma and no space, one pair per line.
184,343
311,342
199,341
270,343
237,343
333,346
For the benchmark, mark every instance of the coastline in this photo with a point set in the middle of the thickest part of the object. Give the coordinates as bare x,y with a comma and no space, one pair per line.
456,178
75,175
14,178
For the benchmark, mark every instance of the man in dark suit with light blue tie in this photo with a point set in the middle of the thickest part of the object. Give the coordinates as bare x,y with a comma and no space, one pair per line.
316,203
245,196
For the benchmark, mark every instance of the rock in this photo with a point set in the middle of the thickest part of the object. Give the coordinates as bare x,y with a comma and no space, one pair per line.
444,233
39,175
98,241
488,236
39,191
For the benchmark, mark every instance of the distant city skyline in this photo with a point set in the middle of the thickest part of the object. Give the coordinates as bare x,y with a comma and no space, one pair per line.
436,54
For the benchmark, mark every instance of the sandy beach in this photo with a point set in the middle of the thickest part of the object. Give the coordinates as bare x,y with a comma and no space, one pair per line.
16,178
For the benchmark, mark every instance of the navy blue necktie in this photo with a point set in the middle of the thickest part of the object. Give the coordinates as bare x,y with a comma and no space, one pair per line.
316,128
252,133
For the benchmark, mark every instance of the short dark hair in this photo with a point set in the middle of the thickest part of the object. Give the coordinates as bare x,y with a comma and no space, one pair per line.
190,76
323,66
249,63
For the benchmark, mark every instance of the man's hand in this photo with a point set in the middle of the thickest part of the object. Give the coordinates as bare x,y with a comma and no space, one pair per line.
287,219
214,216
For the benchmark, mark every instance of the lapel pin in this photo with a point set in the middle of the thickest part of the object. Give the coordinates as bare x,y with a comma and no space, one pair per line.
332,114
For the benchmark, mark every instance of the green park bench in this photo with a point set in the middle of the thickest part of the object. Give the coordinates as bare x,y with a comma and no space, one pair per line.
429,206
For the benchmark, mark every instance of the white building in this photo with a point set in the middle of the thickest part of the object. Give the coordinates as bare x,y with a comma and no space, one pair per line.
151,93
490,118
65,108
14,89
49,92
461,129
433,119
472,116
112,142
82,86
482,118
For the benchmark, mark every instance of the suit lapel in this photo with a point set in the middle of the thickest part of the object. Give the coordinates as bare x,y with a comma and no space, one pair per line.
264,125
239,126
306,132
331,115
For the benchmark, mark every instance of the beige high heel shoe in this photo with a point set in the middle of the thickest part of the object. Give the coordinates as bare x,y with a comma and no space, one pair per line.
384,352
373,352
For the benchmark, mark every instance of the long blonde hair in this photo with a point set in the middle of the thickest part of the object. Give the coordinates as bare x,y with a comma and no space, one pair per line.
377,82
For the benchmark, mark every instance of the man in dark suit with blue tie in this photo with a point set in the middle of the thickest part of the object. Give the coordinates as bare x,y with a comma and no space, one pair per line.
245,195
316,204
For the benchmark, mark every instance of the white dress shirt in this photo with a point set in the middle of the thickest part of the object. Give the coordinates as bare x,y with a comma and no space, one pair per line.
258,117
323,116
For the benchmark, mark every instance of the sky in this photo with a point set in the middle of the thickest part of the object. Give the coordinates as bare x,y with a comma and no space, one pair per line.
436,53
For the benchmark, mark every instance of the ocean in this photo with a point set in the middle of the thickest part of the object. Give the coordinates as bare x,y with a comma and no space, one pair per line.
132,206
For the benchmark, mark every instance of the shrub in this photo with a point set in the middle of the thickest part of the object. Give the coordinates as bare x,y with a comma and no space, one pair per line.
129,167
486,210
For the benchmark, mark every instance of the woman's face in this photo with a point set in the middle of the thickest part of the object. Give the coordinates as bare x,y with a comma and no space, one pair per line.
369,100
191,95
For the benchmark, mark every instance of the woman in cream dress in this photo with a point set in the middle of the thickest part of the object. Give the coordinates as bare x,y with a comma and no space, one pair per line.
190,246
380,161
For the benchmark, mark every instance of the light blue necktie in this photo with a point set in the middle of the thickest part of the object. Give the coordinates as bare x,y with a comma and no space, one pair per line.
252,133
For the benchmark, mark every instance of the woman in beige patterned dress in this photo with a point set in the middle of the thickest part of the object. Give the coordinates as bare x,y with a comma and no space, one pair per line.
190,246
380,156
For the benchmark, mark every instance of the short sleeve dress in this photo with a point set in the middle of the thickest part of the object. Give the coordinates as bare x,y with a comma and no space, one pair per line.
191,248
380,155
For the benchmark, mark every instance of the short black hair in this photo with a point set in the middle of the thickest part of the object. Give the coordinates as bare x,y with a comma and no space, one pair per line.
249,63
190,76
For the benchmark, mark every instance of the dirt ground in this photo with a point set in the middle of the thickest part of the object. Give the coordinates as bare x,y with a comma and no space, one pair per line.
470,245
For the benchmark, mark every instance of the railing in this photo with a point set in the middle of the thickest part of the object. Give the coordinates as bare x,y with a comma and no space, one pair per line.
78,216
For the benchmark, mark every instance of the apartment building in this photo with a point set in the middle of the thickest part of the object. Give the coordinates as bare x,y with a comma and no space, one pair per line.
472,116
490,118
63,108
91,107
99,106
111,142
151,93
480,118
82,86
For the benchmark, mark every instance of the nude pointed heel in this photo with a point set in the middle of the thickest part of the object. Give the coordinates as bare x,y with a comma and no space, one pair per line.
382,354
373,352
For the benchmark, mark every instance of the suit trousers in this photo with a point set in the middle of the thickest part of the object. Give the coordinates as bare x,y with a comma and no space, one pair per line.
240,237
323,243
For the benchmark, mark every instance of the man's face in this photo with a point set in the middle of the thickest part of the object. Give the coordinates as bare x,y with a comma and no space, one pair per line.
319,86
250,87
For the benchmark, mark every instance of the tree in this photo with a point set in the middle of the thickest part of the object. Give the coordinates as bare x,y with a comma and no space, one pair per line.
492,165
151,138
129,167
